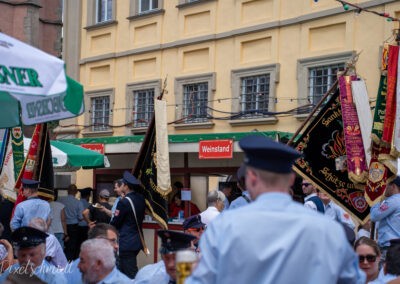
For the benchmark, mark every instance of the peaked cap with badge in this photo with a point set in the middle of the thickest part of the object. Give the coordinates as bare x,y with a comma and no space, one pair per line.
172,241
129,178
28,237
30,183
193,222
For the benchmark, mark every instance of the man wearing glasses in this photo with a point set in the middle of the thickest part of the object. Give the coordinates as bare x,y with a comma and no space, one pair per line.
100,231
312,200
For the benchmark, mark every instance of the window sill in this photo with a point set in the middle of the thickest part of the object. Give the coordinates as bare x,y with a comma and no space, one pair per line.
97,133
147,14
190,4
254,121
101,25
200,125
139,130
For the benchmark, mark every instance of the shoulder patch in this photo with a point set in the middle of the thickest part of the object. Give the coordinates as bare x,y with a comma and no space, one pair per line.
383,207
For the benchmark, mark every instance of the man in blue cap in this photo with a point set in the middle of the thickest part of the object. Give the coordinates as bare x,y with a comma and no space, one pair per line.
387,213
278,240
164,271
128,220
195,227
244,198
30,208
30,248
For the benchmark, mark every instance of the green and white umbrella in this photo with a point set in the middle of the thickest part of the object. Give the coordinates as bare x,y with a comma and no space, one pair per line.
34,87
67,156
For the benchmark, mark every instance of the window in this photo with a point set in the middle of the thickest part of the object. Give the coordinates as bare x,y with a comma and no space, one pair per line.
100,113
195,102
316,75
140,103
98,117
193,95
253,94
103,10
143,108
147,5
320,79
145,8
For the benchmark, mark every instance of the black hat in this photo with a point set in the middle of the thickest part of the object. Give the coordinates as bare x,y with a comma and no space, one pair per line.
394,242
172,241
266,154
29,183
27,237
241,172
129,178
396,181
193,222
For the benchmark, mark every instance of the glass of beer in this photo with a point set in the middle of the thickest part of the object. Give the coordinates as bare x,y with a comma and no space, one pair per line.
185,261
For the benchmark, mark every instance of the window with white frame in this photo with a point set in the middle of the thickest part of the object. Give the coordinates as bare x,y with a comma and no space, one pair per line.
147,5
143,107
104,10
253,91
316,75
100,113
192,97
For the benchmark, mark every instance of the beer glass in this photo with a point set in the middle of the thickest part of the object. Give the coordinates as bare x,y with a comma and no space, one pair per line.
185,260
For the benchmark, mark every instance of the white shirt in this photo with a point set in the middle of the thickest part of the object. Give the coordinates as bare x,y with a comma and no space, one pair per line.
55,251
55,215
209,214
310,204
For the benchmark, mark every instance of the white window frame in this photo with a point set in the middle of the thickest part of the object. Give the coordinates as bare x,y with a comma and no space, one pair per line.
107,15
136,9
92,15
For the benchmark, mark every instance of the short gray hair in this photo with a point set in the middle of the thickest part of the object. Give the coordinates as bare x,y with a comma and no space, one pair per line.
214,196
38,223
100,249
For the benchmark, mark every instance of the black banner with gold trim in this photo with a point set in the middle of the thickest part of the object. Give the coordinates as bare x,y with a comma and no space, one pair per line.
324,160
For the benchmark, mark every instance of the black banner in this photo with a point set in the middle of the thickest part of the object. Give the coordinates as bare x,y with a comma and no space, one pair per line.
324,163
146,171
45,172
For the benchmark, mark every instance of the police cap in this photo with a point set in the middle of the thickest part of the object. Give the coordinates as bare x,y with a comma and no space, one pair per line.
130,179
29,183
193,222
27,237
172,241
266,154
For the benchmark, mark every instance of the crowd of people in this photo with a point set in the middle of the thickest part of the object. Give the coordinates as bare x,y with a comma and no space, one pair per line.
263,236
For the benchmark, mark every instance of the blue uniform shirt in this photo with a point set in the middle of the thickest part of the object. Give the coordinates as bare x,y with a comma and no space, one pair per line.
152,274
387,214
240,201
337,213
85,205
28,209
47,272
275,240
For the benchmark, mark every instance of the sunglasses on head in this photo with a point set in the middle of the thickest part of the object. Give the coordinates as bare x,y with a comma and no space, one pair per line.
368,257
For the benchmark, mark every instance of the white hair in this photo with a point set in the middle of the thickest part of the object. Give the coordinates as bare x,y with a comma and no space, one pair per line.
214,196
99,250
38,223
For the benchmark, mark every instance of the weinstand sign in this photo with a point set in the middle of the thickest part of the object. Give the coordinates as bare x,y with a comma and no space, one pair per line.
216,149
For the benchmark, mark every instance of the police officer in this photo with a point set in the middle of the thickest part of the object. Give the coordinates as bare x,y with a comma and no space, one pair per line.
164,271
30,247
277,239
195,227
30,208
387,213
128,220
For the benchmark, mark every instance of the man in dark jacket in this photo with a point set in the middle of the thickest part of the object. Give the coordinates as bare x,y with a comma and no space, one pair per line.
128,220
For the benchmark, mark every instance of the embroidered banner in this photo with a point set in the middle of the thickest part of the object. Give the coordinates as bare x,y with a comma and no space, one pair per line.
396,138
356,164
324,160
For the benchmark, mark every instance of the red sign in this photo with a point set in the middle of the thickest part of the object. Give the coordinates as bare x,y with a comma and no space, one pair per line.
216,149
97,147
